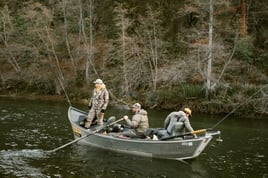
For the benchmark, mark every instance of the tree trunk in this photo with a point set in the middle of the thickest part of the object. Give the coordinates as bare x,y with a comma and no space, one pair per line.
124,57
155,57
122,23
209,63
88,46
67,38
12,60
243,27
7,23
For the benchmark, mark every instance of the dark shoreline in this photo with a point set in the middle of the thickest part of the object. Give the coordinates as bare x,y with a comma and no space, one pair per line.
60,98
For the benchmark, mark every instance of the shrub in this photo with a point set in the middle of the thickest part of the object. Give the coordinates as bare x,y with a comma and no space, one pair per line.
244,49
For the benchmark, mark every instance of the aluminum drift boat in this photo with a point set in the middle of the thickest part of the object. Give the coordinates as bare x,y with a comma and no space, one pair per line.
175,148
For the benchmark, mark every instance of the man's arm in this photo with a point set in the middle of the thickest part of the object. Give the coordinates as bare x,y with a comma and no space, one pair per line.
106,99
188,125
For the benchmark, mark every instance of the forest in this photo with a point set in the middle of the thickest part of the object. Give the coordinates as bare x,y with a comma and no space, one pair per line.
210,55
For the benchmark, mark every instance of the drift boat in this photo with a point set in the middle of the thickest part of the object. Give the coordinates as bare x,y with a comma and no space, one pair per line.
177,148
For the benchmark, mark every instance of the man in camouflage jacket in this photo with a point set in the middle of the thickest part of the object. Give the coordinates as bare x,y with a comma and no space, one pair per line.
98,103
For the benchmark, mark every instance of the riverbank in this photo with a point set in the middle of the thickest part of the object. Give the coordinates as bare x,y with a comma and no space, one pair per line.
36,97
163,65
204,107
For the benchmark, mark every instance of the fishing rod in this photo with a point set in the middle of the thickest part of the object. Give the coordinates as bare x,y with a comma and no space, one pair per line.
215,125
64,90
238,106
200,131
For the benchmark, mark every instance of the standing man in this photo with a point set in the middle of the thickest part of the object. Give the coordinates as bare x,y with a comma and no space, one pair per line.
98,103
177,121
139,123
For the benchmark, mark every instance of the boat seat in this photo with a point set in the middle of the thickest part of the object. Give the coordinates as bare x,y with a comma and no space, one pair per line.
162,133
81,120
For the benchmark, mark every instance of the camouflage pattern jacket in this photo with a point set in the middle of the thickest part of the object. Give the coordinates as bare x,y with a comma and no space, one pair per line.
99,99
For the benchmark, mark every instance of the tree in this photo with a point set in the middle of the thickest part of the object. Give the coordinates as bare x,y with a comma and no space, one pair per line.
209,62
243,27
87,45
154,43
123,23
6,28
67,41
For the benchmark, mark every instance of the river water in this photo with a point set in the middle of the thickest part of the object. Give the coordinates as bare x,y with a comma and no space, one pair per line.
31,127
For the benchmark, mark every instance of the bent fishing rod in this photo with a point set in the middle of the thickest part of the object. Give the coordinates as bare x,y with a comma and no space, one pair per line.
219,122
238,106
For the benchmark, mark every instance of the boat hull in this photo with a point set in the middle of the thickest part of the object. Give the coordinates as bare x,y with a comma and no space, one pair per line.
169,149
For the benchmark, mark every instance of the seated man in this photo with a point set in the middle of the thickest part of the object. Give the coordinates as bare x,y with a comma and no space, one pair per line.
139,123
176,122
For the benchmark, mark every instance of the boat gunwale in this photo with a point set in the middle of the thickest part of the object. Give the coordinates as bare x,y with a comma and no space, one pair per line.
137,140
74,114
206,136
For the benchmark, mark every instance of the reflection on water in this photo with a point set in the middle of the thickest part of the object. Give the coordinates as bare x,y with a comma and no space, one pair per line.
100,163
30,128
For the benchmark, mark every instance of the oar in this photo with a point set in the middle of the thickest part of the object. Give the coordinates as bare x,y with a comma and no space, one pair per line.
85,136
187,133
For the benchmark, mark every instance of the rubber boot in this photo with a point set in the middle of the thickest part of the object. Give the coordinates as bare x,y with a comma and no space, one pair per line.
100,119
88,123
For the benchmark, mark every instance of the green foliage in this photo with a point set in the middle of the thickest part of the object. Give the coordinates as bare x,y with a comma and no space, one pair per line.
178,46
20,23
244,49
79,79
169,96
248,90
16,84
263,60
78,93
26,58
192,90
178,95
37,86
40,86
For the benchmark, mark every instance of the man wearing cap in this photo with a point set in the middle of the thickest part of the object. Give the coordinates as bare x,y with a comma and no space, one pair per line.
98,103
139,123
176,122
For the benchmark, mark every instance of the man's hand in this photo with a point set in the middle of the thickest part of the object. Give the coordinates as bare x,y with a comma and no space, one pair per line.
125,117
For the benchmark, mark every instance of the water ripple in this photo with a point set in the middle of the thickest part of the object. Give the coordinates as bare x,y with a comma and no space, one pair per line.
17,162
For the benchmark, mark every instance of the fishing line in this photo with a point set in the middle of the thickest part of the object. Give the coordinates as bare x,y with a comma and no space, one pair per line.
59,75
237,107
64,91
58,72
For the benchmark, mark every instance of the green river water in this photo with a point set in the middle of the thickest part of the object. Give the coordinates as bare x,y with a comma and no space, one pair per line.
31,127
